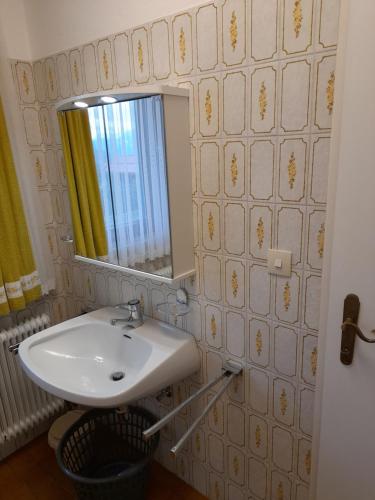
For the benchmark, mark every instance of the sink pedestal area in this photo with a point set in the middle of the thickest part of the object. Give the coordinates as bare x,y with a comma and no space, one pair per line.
88,361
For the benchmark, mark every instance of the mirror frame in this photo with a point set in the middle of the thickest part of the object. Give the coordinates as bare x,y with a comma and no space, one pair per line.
179,175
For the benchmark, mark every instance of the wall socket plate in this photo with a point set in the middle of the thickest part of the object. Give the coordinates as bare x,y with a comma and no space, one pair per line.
279,262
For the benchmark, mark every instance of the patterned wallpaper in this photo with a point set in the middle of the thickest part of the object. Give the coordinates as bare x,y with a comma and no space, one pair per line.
261,76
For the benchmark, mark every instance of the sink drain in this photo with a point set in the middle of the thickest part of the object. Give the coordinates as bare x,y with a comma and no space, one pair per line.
116,376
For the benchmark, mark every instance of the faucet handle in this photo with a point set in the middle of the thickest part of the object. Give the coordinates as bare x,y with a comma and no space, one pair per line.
132,305
135,317
121,306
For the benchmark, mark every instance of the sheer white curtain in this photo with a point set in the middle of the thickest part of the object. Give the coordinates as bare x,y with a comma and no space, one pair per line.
97,128
129,150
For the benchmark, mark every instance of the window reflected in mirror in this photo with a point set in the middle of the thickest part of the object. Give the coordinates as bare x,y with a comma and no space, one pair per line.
116,170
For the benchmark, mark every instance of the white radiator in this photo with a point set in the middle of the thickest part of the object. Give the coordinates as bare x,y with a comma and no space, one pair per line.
25,410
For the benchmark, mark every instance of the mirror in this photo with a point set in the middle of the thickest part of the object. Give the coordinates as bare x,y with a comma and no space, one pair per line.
126,156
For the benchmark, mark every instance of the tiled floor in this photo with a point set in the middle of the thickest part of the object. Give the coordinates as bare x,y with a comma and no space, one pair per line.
32,474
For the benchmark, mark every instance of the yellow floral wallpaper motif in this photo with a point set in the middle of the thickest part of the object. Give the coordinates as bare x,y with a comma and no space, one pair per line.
287,296
60,310
236,465
280,491
198,442
283,402
182,468
50,80
213,326
260,232
314,361
292,170
297,17
182,44
208,107
38,168
50,243
259,342
58,210
234,284
258,436
307,462
142,302
76,72
140,55
234,170
25,83
215,412
330,92
105,65
67,280
262,100
320,240
210,226
233,30
216,490
45,126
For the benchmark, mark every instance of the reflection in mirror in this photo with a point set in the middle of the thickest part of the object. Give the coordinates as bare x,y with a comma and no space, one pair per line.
117,180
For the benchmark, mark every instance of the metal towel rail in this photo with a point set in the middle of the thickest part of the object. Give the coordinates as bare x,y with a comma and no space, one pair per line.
230,370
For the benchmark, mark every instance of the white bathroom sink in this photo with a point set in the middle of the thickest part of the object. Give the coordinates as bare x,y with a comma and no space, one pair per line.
78,359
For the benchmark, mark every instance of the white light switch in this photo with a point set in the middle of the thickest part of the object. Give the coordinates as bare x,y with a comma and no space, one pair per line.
279,262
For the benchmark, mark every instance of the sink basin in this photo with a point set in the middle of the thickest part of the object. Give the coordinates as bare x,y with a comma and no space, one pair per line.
88,361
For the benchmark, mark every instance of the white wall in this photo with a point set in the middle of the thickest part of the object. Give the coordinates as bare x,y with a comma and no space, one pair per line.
15,41
56,25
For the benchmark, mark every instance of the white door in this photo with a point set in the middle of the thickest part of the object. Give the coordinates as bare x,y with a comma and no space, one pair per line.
344,448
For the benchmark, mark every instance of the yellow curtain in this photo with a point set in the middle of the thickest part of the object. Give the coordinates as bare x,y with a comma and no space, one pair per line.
87,214
19,281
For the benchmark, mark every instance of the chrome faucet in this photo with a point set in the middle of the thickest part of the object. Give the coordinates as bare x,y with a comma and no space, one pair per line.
135,318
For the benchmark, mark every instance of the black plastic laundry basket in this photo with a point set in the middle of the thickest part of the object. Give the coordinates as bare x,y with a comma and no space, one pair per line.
105,455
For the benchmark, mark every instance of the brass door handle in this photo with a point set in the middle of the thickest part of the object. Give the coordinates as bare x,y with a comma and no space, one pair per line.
350,329
348,323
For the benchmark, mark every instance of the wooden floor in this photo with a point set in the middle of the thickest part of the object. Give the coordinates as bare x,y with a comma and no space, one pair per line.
32,474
